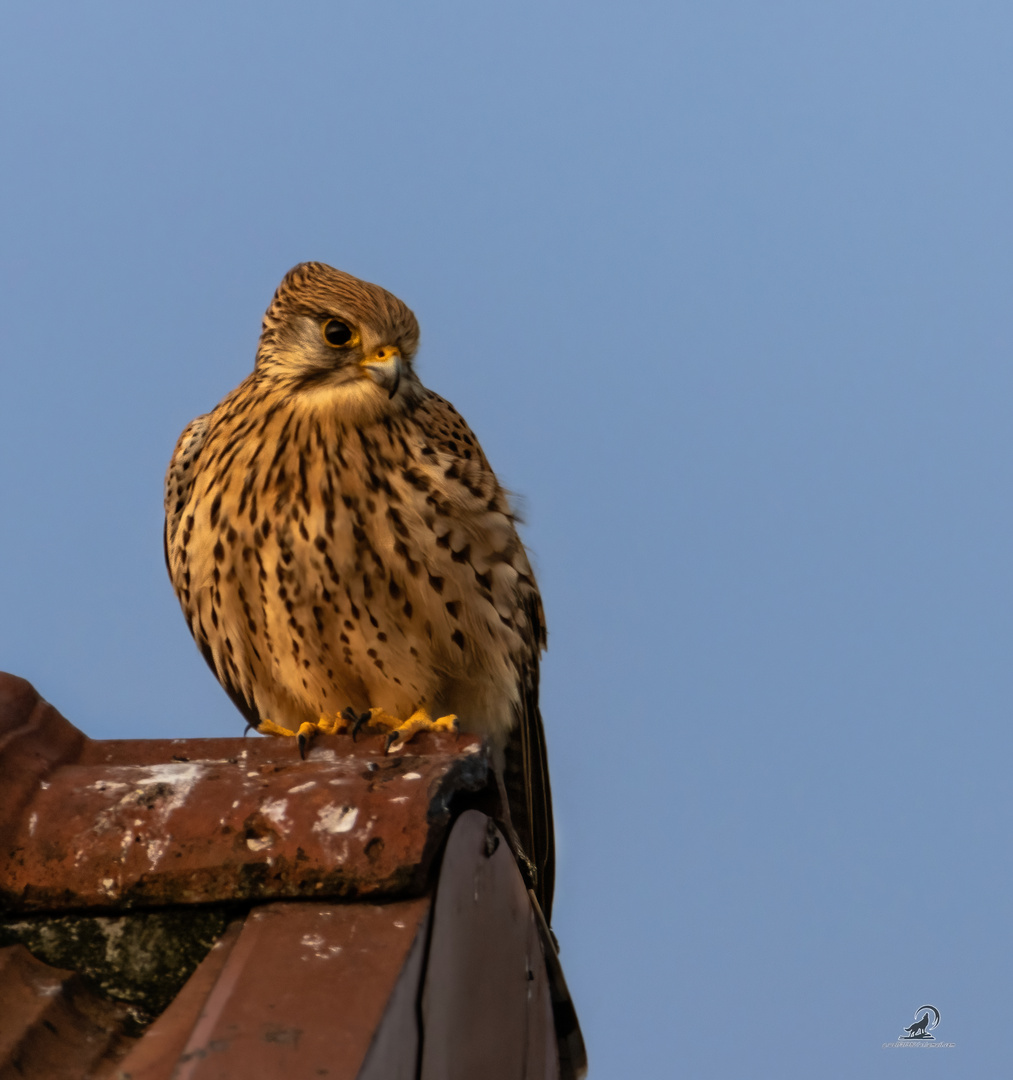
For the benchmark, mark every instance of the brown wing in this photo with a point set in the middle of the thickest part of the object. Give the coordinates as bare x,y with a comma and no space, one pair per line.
179,481
525,773
526,769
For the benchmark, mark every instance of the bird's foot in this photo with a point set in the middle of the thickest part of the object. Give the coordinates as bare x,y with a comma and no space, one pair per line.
357,721
308,731
401,732
269,727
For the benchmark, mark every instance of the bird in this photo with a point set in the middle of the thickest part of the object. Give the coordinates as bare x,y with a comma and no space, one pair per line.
344,554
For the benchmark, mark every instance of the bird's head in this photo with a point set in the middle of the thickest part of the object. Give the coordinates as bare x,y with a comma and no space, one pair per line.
329,333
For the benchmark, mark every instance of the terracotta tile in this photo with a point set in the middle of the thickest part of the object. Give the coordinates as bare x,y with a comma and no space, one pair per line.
339,962
123,824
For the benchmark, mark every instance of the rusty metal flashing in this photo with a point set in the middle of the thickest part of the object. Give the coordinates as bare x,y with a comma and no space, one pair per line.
231,910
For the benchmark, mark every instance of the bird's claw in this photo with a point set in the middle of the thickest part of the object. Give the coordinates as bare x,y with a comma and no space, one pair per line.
398,733
420,720
269,727
305,735
307,731
356,720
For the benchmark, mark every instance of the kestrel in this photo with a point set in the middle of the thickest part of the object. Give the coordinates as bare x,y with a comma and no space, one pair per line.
341,547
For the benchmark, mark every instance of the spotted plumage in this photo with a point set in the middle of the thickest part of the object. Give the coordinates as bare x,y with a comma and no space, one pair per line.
337,540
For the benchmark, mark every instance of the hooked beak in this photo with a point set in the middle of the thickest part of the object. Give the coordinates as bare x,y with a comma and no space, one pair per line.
384,368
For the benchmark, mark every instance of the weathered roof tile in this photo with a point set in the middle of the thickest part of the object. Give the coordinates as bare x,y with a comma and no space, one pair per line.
210,881
124,824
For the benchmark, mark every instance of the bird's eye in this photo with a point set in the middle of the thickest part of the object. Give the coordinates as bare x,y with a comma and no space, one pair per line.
337,333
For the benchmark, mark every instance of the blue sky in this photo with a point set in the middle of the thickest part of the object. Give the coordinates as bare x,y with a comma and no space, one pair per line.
723,288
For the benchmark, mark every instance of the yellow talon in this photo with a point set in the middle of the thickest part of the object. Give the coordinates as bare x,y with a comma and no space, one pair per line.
269,727
333,725
326,725
305,735
420,720
398,732
383,720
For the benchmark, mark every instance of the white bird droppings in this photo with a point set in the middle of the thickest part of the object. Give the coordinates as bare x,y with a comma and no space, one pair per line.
336,819
275,810
316,943
157,849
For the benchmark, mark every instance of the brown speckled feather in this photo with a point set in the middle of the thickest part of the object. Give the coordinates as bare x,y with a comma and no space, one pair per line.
336,538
